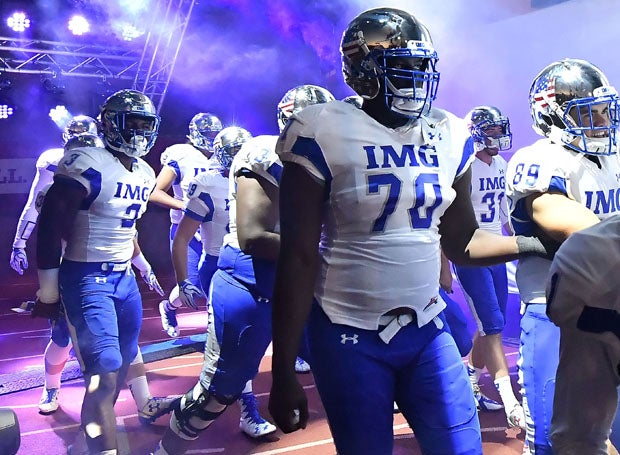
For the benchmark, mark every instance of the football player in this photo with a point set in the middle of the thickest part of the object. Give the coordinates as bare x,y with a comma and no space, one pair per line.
93,204
369,187
181,163
207,209
561,184
486,288
239,327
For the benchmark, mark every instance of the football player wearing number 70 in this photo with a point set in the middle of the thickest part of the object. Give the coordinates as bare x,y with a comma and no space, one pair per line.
93,204
367,198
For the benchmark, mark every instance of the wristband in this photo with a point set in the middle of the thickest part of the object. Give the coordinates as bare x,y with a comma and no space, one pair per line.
48,285
141,263
531,246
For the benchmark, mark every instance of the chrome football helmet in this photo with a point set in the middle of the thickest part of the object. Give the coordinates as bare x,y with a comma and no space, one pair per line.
78,125
389,50
129,123
355,100
572,103
299,97
86,139
228,142
202,131
489,128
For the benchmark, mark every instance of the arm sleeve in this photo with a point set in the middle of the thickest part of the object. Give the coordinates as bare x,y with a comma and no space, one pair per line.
28,218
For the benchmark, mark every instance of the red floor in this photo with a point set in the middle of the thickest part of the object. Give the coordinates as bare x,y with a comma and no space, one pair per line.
22,343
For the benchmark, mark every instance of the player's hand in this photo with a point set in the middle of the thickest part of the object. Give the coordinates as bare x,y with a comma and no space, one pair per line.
288,404
19,260
46,310
188,294
150,279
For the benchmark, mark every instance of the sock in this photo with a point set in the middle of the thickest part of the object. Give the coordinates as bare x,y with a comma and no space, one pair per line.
137,383
55,360
169,305
248,387
474,375
504,387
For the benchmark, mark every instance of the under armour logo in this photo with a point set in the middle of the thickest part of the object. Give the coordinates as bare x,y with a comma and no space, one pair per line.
263,300
344,338
101,279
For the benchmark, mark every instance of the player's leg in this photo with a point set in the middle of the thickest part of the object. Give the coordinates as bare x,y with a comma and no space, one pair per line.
56,355
539,355
238,333
358,396
431,394
91,312
477,285
168,308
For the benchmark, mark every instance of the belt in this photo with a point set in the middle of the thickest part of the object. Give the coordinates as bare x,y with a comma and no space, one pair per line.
392,323
115,266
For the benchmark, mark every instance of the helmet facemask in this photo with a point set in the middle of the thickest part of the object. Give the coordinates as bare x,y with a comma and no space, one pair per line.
390,51
572,103
582,131
130,133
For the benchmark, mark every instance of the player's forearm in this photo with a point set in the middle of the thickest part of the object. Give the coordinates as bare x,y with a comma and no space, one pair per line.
292,301
179,257
49,241
484,248
163,199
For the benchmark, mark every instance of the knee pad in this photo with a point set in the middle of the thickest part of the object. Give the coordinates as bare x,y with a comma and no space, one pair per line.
109,360
198,408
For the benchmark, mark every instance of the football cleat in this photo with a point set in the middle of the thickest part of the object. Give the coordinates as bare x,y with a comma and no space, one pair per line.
251,422
301,366
48,404
485,403
169,320
157,407
516,417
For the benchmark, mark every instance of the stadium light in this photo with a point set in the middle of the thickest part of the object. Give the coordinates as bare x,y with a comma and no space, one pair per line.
18,21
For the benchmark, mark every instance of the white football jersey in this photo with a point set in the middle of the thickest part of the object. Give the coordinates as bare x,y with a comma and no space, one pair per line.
488,187
257,155
208,203
105,225
545,166
387,190
46,166
187,162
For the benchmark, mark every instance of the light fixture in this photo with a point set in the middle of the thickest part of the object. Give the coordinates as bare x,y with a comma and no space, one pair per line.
54,83
78,25
18,21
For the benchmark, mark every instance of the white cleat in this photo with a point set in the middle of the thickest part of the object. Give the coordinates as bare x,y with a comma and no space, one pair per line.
301,366
251,422
516,417
48,404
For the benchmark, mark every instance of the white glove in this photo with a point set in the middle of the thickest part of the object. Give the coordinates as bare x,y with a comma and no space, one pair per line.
188,293
146,272
19,260
150,279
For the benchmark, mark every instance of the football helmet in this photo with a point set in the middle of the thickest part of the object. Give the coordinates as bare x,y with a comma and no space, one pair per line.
355,100
299,97
489,128
87,139
202,131
129,123
228,142
78,125
389,50
572,103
